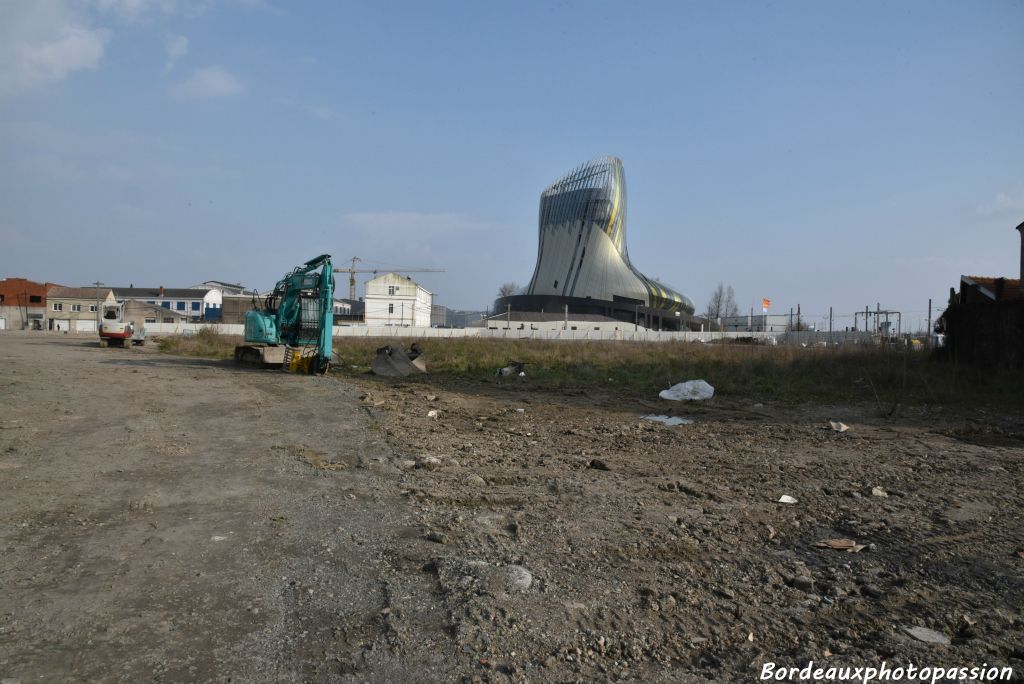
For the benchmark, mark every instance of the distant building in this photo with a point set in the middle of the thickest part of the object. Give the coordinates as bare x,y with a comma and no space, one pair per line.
22,304
198,304
984,322
772,323
459,318
224,288
582,261
141,313
439,316
975,289
75,309
397,300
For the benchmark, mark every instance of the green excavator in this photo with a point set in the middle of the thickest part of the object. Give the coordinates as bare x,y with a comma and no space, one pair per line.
291,327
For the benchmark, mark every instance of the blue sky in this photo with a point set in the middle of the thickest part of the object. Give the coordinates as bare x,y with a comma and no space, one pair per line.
821,154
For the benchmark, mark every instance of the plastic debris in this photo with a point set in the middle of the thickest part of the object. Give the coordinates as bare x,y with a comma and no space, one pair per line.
668,420
878,491
929,636
691,390
513,368
787,499
838,427
848,545
432,413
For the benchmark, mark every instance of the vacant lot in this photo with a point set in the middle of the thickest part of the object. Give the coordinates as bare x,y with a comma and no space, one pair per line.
170,518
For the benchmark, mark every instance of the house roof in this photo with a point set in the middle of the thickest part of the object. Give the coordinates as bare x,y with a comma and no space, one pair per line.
58,292
995,288
154,292
221,282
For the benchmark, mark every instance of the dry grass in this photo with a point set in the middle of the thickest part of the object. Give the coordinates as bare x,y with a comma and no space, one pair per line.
207,343
789,374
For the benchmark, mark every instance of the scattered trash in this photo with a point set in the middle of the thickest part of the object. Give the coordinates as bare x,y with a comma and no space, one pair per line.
771,532
520,410
392,362
431,397
217,538
691,390
597,464
838,427
668,420
513,368
750,637
848,545
787,499
929,636
878,491
1020,554
432,413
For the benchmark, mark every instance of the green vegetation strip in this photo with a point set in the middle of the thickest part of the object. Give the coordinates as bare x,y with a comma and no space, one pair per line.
760,373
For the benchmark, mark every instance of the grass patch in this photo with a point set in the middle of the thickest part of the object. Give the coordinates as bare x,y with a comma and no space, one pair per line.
793,375
788,374
207,343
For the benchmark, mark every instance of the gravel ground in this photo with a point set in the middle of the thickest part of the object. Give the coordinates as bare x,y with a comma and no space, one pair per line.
175,519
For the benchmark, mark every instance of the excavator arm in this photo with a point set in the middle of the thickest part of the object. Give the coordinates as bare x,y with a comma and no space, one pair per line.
298,315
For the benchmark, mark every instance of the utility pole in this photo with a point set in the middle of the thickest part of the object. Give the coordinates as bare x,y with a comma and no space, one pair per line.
928,330
508,316
98,284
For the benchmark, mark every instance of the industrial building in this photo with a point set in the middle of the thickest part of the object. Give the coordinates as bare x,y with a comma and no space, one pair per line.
22,304
583,266
197,304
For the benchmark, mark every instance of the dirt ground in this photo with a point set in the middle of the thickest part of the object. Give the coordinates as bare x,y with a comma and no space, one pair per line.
173,519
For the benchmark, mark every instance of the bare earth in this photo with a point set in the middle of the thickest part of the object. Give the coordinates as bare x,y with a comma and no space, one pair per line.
174,519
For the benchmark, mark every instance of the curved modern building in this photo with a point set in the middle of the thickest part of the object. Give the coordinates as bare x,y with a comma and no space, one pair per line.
582,260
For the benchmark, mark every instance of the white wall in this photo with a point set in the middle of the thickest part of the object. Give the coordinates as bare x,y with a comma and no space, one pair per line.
342,331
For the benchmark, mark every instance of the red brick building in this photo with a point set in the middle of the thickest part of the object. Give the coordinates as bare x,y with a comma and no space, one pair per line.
22,304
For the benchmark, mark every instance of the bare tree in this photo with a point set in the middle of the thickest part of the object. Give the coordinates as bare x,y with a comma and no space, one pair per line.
722,303
508,289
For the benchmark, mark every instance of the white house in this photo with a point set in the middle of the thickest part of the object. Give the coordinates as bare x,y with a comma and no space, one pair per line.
397,300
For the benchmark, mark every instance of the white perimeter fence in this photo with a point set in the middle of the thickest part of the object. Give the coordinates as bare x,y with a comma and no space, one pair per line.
808,338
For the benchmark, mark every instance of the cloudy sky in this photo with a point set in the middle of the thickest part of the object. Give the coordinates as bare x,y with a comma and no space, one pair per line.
822,154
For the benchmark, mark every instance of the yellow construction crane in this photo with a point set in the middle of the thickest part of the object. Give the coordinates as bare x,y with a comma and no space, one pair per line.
353,270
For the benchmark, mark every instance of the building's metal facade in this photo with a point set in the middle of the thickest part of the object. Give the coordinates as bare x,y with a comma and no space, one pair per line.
582,259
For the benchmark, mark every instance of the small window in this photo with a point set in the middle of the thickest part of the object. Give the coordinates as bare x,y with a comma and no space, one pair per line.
151,320
1,299
391,308
150,302
57,306
76,307
168,319
166,305
92,308
181,306
195,306
391,290
556,283
573,327
35,299
597,327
